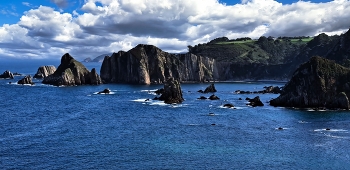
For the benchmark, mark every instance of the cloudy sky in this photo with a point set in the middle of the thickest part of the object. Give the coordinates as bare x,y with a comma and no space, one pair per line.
87,28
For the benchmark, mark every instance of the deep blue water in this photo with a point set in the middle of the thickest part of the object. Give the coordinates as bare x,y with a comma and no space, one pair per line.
46,127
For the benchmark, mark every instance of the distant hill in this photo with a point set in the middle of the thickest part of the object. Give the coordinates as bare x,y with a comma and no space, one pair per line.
97,59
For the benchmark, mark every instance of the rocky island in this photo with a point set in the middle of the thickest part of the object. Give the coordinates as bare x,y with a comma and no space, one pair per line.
71,72
318,83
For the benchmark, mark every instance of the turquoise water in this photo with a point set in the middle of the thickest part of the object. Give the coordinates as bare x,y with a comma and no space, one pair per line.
46,127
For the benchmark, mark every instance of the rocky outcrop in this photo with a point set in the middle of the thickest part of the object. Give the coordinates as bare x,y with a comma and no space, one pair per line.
255,102
105,91
6,75
71,72
210,89
318,83
172,92
147,64
26,80
44,71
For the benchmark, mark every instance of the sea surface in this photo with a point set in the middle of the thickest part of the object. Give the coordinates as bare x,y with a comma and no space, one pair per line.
47,127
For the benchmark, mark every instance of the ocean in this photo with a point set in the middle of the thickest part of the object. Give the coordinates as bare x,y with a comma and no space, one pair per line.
47,127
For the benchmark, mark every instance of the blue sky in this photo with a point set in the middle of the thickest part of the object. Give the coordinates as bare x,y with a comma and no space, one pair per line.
87,28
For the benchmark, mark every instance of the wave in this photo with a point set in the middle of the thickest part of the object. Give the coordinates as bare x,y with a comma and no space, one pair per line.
330,130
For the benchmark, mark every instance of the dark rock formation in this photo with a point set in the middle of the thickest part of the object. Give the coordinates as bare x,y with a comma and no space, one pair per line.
26,80
172,92
17,74
147,64
44,71
255,102
159,91
272,89
228,105
319,83
105,91
213,97
210,89
6,75
71,72
202,98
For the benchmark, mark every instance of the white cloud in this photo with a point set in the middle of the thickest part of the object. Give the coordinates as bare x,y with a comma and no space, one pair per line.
104,26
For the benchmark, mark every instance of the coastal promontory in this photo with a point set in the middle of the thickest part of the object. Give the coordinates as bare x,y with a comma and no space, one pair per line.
318,83
147,64
71,72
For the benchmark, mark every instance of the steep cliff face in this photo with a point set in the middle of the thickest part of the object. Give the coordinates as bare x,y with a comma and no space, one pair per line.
44,71
317,83
71,72
147,64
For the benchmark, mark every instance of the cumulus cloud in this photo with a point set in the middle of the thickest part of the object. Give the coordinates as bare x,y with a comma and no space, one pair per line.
105,26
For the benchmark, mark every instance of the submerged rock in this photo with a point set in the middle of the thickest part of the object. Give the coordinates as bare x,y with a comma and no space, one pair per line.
202,98
44,71
105,91
228,105
71,72
319,83
26,80
6,75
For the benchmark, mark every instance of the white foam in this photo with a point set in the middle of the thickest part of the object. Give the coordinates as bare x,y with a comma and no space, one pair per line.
142,100
330,130
159,103
301,121
149,90
104,93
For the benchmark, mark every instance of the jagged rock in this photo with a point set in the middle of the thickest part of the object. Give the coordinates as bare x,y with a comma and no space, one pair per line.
147,64
202,98
159,91
17,74
210,89
200,91
213,97
255,102
319,83
172,92
105,91
44,71
6,75
71,72
26,80
228,105
272,89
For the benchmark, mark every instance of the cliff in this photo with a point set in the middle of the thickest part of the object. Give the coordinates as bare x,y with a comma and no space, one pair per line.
147,64
71,72
44,71
318,83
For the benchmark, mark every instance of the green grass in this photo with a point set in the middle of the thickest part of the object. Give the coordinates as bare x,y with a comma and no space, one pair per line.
235,42
303,39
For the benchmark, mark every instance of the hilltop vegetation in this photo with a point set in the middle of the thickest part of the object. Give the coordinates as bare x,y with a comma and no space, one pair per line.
265,50
272,58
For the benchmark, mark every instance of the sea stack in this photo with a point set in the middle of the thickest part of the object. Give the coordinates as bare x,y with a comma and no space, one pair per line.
71,72
6,75
26,80
318,83
44,71
172,92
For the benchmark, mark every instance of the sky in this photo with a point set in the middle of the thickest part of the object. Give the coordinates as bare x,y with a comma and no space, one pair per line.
47,29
